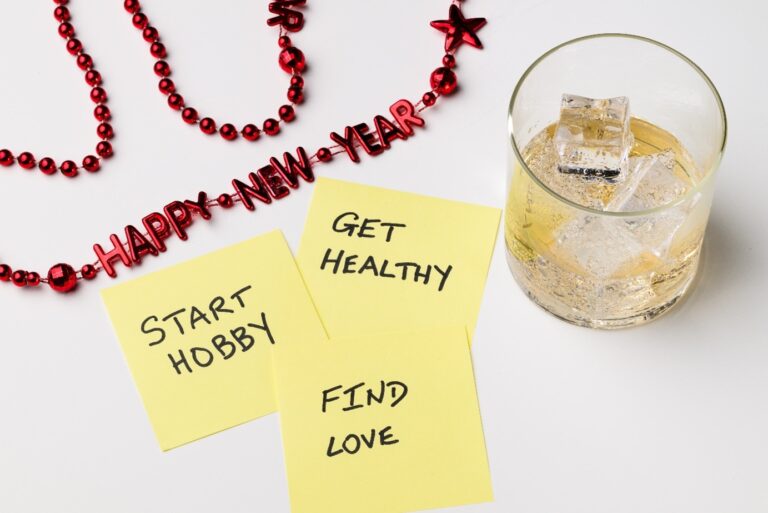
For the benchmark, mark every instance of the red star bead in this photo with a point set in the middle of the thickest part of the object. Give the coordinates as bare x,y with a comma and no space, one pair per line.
459,30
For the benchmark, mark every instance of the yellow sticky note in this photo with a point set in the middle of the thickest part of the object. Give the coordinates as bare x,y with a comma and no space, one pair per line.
385,423
199,337
376,259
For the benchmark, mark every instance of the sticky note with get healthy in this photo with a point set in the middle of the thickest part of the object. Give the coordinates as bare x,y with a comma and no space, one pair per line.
376,259
199,336
385,423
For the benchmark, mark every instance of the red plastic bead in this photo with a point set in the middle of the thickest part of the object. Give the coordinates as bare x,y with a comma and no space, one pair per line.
297,81
33,279
47,166
104,131
102,113
66,30
166,86
132,6
207,126
92,77
449,61
150,34
287,113
6,158
74,46
98,95
140,20
88,272
251,132
158,50
61,2
104,149
228,131
295,95
443,80
68,169
84,61
91,163
271,126
5,272
324,155
162,69
429,99
62,278
26,160
189,115
283,41
292,60
176,101
225,200
61,14
19,278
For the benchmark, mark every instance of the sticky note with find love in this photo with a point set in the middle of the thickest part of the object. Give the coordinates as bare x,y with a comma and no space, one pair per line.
382,423
378,260
199,336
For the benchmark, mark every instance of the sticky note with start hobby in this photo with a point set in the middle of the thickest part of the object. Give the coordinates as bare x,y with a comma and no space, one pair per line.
199,336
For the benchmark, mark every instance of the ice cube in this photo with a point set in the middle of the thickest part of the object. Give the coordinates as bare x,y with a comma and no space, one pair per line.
593,138
600,246
542,159
657,232
651,183
623,197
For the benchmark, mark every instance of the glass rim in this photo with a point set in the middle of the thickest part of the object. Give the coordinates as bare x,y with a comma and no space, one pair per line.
682,199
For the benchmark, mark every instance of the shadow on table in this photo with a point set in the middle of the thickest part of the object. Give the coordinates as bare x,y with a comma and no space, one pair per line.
724,260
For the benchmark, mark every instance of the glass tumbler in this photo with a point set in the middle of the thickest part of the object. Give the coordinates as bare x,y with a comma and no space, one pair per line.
598,267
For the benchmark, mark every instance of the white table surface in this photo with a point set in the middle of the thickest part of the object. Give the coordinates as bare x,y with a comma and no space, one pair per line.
667,418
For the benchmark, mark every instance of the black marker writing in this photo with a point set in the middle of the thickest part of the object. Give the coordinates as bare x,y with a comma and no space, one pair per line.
353,442
353,397
184,320
356,397
341,262
238,339
368,228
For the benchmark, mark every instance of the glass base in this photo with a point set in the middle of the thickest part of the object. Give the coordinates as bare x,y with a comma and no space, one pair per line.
573,316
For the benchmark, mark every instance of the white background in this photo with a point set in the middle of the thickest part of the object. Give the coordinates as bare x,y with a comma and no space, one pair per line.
667,418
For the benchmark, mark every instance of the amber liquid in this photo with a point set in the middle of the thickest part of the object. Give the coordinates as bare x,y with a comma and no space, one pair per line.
644,283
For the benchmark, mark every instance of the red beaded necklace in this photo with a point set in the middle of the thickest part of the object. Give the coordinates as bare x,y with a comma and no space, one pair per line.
90,163
291,59
270,182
